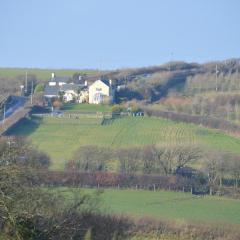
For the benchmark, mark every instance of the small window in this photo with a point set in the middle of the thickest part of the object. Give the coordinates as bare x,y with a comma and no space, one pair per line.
98,89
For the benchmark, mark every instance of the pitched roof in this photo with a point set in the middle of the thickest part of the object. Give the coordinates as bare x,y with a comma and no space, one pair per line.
54,90
51,90
106,82
68,87
59,79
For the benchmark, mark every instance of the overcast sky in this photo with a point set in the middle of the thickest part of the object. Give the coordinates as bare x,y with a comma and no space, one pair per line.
116,33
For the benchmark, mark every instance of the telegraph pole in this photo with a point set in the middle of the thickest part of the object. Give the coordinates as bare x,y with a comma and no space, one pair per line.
216,78
238,63
32,93
26,82
171,59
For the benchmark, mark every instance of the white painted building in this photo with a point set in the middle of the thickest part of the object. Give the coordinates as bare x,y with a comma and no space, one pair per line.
101,91
70,92
83,96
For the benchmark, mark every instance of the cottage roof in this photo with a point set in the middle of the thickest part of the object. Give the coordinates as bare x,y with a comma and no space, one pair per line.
59,79
51,90
54,90
106,82
69,87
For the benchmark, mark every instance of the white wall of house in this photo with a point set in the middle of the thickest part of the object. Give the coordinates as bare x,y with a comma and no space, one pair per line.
97,91
83,96
52,83
69,95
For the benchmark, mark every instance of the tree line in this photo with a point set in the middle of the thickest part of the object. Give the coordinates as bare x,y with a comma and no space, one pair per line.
167,167
150,159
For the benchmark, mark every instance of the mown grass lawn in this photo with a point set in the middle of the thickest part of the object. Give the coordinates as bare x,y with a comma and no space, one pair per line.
61,137
86,108
167,205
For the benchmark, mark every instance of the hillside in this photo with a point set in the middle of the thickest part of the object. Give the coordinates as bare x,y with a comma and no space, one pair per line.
208,90
61,137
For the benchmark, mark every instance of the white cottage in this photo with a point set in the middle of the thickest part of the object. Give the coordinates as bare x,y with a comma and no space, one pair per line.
70,92
101,91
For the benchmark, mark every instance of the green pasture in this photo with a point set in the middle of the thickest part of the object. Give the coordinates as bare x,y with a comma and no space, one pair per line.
60,137
41,74
166,205
86,108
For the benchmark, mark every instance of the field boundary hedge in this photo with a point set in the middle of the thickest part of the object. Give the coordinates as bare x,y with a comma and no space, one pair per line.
119,181
209,122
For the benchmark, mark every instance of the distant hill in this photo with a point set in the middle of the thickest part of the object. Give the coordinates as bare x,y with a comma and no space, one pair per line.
210,89
156,79
152,83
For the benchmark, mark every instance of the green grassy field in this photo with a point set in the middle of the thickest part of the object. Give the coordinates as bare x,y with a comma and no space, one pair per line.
41,74
168,205
86,108
61,137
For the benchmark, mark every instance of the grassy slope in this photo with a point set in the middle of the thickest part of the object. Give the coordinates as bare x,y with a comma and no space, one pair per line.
41,74
169,205
61,137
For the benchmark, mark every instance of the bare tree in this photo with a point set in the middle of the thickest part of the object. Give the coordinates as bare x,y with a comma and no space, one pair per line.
91,158
234,169
172,158
129,159
216,167
148,159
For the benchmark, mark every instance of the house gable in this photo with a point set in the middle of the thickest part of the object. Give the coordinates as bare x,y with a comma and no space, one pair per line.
98,91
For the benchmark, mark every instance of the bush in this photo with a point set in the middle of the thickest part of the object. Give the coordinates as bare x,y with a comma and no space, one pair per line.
117,109
57,104
39,88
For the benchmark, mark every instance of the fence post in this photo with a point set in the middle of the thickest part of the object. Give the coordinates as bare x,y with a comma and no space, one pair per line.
154,187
